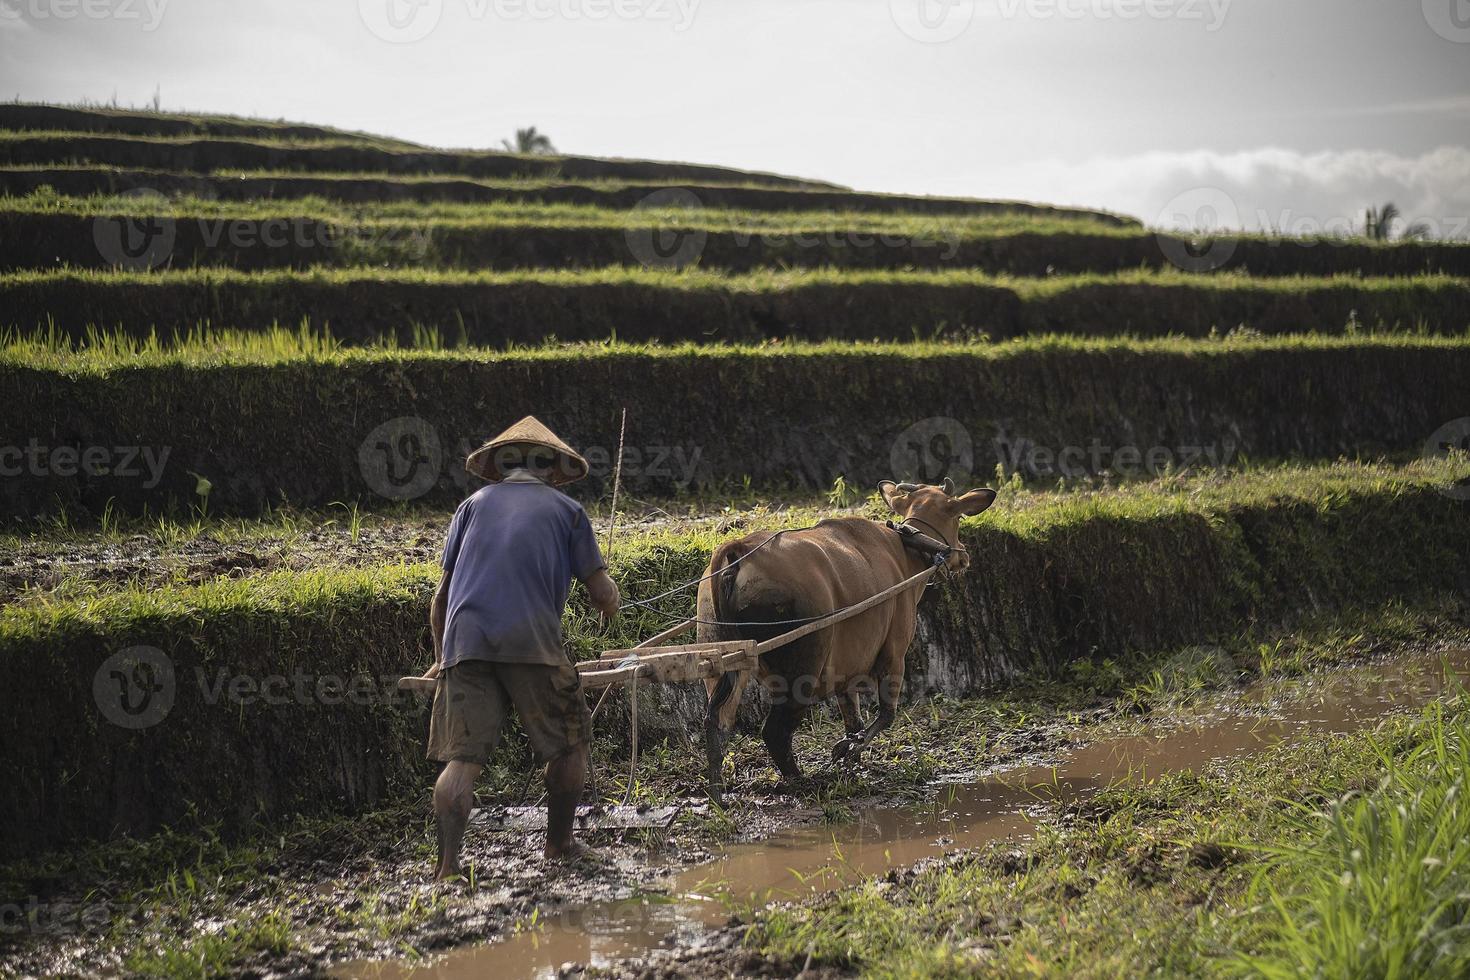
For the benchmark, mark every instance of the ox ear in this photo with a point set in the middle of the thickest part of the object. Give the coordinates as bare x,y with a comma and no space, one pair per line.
974,502
894,497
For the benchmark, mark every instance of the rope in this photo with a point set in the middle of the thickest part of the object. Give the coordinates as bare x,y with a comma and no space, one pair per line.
645,604
703,578
617,483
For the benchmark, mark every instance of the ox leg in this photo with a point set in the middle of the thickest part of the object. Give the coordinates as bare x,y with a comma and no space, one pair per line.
852,724
889,688
888,691
719,722
785,718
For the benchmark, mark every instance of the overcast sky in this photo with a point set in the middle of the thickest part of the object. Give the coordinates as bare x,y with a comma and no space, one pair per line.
1284,113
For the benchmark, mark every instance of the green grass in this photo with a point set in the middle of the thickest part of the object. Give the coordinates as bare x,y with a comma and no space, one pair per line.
647,561
113,119
431,216
766,280
1252,867
106,351
1382,886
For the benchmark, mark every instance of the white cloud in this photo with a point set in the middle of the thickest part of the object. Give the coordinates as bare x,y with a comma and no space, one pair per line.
1266,188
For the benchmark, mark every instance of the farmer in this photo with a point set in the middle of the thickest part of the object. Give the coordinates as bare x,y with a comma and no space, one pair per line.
512,552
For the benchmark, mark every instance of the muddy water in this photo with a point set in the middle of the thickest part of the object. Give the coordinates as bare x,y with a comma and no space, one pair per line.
805,861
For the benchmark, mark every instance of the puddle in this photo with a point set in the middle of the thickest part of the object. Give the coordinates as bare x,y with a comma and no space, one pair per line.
804,861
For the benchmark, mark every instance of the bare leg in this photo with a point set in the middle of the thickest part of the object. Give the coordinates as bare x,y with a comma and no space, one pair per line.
565,778
453,797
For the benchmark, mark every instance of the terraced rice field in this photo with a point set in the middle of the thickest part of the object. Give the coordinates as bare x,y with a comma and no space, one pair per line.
244,361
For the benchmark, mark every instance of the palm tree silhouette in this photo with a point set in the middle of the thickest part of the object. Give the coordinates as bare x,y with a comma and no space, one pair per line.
529,141
1378,225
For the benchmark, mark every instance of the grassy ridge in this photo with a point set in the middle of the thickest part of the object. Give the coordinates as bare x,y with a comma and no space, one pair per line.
22,117
498,309
1373,862
286,421
41,231
185,154
376,189
1095,578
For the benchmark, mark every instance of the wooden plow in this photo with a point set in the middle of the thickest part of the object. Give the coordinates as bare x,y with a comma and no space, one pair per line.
675,664
703,661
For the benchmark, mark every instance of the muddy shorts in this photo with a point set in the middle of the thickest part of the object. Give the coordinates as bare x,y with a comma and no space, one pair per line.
474,698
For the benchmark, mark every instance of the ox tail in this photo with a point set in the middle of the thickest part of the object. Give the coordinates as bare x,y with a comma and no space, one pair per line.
722,596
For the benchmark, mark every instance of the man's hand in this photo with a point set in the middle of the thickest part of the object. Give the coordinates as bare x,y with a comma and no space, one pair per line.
604,594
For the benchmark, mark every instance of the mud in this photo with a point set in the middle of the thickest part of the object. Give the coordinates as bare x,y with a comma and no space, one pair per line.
359,903
690,911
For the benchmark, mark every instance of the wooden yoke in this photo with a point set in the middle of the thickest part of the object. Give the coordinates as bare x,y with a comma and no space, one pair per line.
694,662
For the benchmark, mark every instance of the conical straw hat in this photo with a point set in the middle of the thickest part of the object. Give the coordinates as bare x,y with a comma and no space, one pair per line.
570,466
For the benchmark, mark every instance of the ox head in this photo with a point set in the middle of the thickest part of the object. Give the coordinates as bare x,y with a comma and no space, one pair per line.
936,511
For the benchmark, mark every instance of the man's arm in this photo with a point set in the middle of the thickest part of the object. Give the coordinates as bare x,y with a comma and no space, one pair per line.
438,610
603,592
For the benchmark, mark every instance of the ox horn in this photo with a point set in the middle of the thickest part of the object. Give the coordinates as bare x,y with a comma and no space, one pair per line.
908,487
948,487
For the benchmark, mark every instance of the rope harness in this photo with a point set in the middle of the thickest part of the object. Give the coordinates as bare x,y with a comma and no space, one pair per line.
935,549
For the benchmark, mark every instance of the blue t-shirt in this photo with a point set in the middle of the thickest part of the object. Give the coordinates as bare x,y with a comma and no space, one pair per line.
513,550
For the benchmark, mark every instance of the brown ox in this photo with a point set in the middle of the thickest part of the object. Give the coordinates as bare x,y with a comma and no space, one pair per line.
806,574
